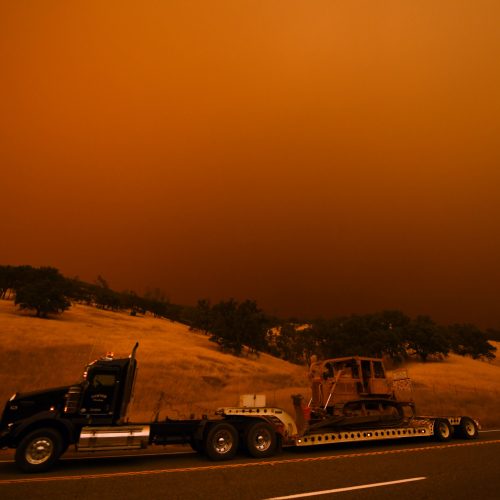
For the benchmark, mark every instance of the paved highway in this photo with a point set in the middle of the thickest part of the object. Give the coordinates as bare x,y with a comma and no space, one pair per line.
418,469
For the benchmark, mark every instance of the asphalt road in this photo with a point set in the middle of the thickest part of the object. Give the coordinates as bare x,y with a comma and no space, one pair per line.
417,469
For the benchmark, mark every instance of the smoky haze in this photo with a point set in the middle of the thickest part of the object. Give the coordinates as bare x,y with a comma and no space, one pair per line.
320,157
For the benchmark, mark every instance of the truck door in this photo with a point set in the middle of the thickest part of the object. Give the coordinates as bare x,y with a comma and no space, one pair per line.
100,396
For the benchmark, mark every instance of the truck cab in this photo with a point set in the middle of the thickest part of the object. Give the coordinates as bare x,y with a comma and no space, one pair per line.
42,424
105,392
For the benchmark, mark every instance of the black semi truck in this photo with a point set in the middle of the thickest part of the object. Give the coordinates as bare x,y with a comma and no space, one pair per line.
92,416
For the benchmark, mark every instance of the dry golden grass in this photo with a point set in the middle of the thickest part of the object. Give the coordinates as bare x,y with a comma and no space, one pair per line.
181,367
458,386
191,376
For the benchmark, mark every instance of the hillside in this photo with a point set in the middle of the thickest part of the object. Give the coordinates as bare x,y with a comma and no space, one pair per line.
190,371
458,385
190,375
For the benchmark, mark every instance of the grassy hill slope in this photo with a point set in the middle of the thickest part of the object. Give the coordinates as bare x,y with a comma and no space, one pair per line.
190,371
458,386
183,373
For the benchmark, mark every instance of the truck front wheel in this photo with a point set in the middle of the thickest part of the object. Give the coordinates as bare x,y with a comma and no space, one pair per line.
39,450
221,442
260,440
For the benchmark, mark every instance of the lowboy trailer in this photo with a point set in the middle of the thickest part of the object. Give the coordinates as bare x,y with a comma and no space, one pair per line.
91,416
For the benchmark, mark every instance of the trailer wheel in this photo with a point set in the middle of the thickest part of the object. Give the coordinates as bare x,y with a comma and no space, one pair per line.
468,428
39,450
221,442
261,440
442,429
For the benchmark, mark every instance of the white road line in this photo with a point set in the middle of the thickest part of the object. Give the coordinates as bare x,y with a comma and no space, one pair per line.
272,462
491,430
349,488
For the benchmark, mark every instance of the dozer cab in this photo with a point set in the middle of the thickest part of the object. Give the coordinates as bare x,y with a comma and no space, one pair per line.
356,391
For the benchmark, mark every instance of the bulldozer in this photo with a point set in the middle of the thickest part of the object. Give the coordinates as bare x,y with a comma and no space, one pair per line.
355,392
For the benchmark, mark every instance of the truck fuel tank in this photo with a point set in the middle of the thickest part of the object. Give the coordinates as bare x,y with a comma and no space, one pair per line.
127,437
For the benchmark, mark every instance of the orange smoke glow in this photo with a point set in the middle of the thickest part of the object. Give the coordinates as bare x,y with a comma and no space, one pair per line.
320,157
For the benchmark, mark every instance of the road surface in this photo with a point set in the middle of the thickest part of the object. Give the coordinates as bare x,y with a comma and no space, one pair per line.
416,469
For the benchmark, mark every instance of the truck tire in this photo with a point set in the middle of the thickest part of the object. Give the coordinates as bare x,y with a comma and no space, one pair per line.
261,440
221,442
467,428
39,450
442,430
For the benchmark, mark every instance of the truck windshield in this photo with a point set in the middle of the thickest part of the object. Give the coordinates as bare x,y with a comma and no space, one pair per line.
104,380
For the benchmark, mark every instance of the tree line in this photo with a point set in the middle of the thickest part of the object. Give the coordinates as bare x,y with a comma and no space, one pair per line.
392,334
46,291
233,325
240,327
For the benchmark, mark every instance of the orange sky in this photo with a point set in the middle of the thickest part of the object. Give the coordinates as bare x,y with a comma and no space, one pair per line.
321,157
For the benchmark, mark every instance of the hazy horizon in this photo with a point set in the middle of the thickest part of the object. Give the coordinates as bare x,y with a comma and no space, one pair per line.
320,157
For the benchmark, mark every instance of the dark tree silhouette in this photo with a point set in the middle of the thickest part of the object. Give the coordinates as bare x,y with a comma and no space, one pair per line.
202,317
46,293
426,338
7,280
469,340
234,325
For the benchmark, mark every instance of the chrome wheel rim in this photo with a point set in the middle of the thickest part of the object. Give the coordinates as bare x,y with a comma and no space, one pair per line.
223,442
262,440
39,450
